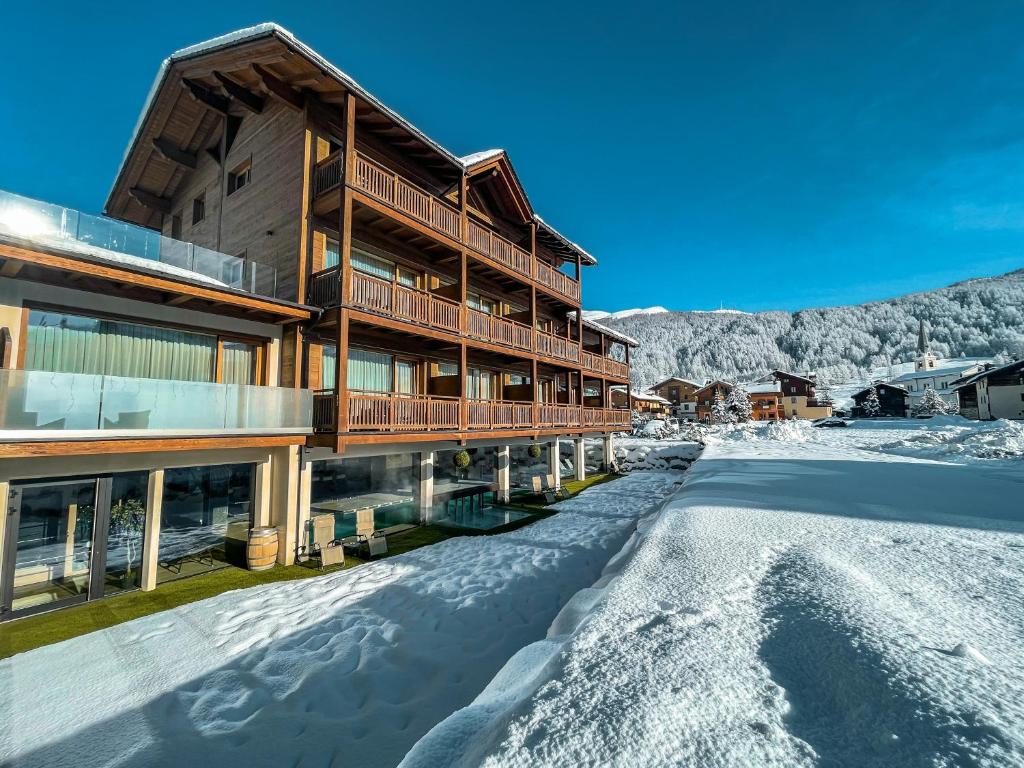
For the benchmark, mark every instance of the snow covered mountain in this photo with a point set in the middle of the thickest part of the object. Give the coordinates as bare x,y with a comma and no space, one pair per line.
622,314
980,317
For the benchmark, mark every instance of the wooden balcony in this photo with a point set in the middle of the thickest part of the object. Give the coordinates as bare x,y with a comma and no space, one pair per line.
404,303
491,244
555,280
499,330
389,412
550,345
402,195
399,193
604,365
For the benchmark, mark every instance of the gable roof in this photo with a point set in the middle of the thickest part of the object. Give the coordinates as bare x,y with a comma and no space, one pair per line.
974,379
710,384
663,382
495,164
275,46
880,384
789,374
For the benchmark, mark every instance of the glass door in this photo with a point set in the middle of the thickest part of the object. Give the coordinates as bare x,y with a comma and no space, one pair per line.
49,560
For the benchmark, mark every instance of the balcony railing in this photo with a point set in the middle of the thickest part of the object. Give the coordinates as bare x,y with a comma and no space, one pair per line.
45,404
392,412
499,330
600,364
557,281
490,243
36,223
328,173
401,194
499,414
556,346
403,302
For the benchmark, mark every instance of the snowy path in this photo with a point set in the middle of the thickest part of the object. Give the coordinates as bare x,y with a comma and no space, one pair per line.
813,603
346,669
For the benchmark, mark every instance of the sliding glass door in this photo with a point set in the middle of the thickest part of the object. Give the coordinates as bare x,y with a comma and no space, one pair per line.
72,539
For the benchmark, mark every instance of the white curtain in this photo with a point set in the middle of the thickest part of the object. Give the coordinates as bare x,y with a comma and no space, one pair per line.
369,371
238,364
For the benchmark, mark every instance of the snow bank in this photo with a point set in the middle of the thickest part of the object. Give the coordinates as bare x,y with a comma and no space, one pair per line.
348,668
955,437
644,454
796,604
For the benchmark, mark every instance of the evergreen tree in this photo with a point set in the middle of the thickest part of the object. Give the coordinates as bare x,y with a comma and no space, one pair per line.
720,413
738,403
931,404
872,407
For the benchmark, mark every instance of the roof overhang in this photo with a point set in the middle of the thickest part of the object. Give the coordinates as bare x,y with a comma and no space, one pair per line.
494,169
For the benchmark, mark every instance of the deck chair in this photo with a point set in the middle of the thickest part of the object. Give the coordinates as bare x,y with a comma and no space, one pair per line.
560,493
542,487
325,546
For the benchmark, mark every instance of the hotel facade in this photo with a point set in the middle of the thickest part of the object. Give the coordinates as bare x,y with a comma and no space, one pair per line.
296,304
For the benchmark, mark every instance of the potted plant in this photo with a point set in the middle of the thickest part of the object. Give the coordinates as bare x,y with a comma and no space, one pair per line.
461,460
534,451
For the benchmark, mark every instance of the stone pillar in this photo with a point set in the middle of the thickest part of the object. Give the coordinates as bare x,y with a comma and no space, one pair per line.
426,476
554,462
151,536
289,510
504,474
580,460
608,453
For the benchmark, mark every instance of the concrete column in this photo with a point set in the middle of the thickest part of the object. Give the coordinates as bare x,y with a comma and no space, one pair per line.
554,461
580,460
151,537
287,511
5,488
608,453
504,474
263,493
426,486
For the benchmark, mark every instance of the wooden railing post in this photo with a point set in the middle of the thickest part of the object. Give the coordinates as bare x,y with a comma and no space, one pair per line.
341,370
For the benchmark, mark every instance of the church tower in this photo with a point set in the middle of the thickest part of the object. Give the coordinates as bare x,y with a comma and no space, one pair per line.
926,361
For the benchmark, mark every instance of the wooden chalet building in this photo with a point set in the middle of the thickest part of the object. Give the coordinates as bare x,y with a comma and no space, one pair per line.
706,396
894,401
997,392
355,303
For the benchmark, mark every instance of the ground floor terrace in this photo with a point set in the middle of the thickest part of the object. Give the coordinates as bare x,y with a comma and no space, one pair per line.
91,523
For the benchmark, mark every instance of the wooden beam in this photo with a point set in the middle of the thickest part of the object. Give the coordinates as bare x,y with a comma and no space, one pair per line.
280,89
251,101
177,301
11,268
206,97
29,448
174,154
148,199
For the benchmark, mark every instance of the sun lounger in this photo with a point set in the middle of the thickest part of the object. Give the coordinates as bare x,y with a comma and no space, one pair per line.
325,546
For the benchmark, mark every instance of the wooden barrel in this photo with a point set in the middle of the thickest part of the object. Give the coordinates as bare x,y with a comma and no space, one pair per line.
261,553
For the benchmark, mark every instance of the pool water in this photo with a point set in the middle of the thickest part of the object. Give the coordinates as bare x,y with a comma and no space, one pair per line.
481,518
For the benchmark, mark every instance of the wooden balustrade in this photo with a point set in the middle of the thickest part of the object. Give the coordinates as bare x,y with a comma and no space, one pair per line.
401,194
593,417
325,288
499,414
392,412
556,346
328,173
557,281
492,244
616,368
325,410
600,364
617,417
402,302
500,330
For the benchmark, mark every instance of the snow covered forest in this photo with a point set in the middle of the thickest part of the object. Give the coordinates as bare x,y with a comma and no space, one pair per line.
980,317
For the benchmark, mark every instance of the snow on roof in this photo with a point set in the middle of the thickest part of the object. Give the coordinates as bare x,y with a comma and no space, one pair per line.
942,369
762,388
639,395
270,28
674,378
479,157
880,384
986,373
596,326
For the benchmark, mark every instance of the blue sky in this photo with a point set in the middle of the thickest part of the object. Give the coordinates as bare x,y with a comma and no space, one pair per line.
760,155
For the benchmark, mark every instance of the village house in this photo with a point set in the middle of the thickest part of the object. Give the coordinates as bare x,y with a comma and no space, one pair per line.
642,402
705,397
298,305
766,400
893,400
680,394
799,400
997,392
932,373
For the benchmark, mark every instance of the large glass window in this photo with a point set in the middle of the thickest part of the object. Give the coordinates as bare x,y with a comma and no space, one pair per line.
481,384
387,484
239,363
483,463
205,520
369,371
524,466
125,532
76,344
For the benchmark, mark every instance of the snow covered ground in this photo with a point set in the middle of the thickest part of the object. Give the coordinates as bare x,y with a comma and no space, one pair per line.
345,669
639,454
810,597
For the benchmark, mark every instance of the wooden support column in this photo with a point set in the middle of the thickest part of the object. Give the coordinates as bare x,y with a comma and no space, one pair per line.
345,206
463,289
341,369
262,500
464,207
463,393
151,536
580,459
287,509
306,225
534,384
533,318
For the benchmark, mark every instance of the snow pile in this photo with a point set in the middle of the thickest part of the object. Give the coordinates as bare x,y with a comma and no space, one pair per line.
794,605
643,454
349,668
791,430
957,437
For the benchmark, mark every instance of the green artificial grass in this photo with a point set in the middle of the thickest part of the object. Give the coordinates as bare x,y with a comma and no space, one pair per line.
44,629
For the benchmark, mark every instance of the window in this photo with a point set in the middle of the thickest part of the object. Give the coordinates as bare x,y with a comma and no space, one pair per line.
332,253
378,267
176,226
240,177
199,209
66,343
